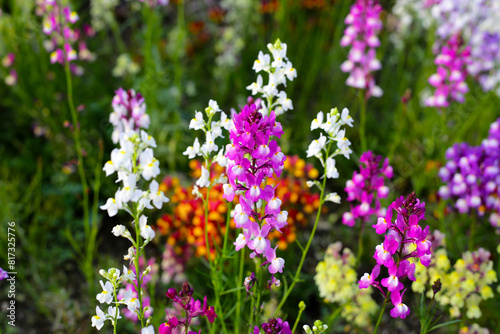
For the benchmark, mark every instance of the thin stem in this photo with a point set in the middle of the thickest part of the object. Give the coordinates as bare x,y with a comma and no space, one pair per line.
306,249
136,262
362,123
297,320
238,296
380,317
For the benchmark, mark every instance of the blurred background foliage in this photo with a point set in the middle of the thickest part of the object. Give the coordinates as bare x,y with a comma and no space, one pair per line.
180,56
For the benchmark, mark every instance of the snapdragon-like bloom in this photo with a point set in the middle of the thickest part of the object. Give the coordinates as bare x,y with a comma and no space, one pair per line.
325,148
208,149
364,24
254,156
405,239
366,187
280,70
132,162
337,283
66,43
129,113
472,176
477,22
192,308
449,80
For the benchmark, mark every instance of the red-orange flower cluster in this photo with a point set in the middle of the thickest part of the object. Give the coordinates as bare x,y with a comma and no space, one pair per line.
185,225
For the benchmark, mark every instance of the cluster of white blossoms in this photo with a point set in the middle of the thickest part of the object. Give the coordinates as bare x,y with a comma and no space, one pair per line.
208,149
132,162
322,149
280,69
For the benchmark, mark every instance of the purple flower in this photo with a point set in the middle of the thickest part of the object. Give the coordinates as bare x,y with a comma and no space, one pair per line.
192,308
274,326
402,236
449,80
366,187
400,310
254,156
472,176
364,24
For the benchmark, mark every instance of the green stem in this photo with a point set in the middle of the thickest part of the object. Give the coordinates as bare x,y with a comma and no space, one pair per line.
136,262
362,123
380,317
306,249
238,302
297,320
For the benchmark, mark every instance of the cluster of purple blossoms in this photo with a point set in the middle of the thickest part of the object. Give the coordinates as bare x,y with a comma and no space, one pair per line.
57,23
449,80
405,239
475,24
8,63
274,326
253,157
130,290
472,176
192,308
364,24
129,113
366,187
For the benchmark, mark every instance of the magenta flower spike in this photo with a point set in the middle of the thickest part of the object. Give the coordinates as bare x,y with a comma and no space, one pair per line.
363,26
365,188
252,157
404,239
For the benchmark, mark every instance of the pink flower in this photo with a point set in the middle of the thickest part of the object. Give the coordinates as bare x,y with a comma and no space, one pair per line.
277,263
400,310
368,279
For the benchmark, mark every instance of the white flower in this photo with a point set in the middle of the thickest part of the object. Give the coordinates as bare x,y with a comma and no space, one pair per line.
346,119
331,170
285,102
204,180
109,168
196,191
130,300
221,159
256,87
210,145
146,231
111,206
119,230
147,139
148,330
290,72
316,146
99,318
262,63
194,150
310,183
317,122
212,108
128,275
149,164
332,197
128,193
114,312
156,195
106,296
197,122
